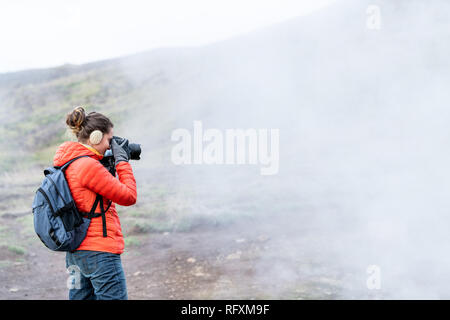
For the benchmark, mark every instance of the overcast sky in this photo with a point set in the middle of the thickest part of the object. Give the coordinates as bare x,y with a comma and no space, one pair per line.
46,33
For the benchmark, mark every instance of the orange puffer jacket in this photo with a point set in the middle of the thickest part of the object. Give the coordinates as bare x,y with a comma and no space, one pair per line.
86,177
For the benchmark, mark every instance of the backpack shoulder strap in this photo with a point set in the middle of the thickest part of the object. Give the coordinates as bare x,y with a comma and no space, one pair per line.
92,214
64,166
98,200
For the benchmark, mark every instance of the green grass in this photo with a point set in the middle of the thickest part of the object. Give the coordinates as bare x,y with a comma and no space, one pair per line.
132,241
27,228
6,162
6,236
44,156
5,263
16,249
38,113
141,223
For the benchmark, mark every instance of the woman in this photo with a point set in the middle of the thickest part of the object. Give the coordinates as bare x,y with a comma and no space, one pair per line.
97,259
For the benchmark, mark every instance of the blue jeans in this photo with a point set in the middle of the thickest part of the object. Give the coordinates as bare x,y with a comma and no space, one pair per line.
95,275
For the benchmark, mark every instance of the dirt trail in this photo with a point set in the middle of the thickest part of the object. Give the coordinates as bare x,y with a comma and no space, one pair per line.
207,263
214,263
164,266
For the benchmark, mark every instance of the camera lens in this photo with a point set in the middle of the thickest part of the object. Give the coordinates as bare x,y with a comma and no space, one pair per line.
135,151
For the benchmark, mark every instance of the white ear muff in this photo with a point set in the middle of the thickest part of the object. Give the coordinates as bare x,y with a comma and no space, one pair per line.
95,137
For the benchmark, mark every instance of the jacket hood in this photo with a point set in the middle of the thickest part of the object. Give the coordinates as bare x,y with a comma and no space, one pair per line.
69,150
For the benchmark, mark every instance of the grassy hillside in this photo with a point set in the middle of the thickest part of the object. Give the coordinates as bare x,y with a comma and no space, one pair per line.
34,111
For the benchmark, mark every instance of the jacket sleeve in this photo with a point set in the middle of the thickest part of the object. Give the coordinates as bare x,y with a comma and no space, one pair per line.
122,191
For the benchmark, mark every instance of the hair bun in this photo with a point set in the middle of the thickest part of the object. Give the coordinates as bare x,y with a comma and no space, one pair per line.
76,119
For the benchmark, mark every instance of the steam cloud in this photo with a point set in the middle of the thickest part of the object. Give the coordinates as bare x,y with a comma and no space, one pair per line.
363,120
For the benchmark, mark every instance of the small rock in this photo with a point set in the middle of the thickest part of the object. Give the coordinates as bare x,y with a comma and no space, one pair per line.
191,260
240,240
166,233
13,290
137,273
329,281
262,238
199,274
233,256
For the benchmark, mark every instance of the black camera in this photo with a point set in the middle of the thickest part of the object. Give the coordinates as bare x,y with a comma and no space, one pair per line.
132,149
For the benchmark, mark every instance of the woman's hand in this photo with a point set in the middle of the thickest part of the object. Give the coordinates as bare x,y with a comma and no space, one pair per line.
119,150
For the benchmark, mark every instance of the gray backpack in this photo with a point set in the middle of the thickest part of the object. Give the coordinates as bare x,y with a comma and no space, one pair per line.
57,221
